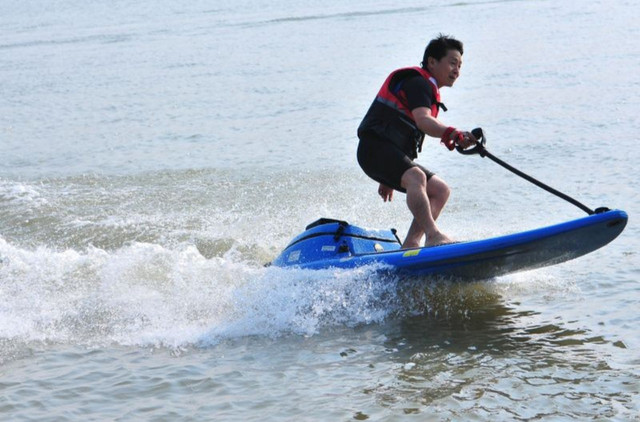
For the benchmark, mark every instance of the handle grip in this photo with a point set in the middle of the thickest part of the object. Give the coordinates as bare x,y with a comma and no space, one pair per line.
479,148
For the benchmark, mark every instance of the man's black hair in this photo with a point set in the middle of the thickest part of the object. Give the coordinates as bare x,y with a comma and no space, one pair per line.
439,47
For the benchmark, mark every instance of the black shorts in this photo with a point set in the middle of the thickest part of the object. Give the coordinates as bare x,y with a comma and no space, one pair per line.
384,162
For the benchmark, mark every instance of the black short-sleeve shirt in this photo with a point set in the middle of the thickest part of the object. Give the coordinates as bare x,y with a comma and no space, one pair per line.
419,92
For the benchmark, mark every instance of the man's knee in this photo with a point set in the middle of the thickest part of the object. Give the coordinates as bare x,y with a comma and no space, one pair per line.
413,177
438,187
445,192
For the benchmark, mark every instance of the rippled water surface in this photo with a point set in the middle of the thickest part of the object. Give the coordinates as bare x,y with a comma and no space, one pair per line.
156,155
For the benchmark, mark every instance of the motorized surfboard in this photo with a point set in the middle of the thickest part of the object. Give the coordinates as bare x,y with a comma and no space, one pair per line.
329,243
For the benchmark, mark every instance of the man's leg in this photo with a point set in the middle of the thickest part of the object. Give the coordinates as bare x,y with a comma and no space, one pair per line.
425,201
438,193
414,236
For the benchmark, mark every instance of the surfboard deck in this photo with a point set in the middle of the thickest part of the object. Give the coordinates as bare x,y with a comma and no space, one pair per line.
329,243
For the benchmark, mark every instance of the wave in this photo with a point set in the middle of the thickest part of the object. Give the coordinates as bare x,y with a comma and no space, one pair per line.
88,39
149,295
365,13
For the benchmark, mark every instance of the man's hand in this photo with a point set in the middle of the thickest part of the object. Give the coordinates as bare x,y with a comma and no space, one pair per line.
385,192
452,137
467,140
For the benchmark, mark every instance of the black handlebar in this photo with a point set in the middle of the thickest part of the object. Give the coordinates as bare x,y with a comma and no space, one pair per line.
479,148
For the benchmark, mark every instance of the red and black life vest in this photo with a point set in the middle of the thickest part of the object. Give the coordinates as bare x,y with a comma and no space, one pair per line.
391,94
389,117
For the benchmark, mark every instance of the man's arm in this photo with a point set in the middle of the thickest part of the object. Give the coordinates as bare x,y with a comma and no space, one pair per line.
436,129
427,123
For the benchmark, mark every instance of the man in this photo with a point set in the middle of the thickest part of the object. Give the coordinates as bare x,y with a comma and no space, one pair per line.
391,134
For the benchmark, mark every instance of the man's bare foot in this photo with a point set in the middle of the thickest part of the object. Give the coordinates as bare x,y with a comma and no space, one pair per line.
433,240
438,238
410,245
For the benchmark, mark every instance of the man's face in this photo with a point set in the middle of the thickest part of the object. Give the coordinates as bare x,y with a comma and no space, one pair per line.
447,69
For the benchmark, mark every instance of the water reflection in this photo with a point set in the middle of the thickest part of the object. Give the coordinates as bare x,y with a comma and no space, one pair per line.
472,352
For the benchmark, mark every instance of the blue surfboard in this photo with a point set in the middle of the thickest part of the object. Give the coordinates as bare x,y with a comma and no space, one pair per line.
329,243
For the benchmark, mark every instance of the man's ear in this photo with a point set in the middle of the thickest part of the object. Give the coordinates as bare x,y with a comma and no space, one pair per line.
431,61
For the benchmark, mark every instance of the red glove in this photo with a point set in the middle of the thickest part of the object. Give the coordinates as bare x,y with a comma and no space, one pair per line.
449,140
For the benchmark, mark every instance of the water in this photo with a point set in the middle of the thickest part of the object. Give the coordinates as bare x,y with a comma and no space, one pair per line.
156,155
